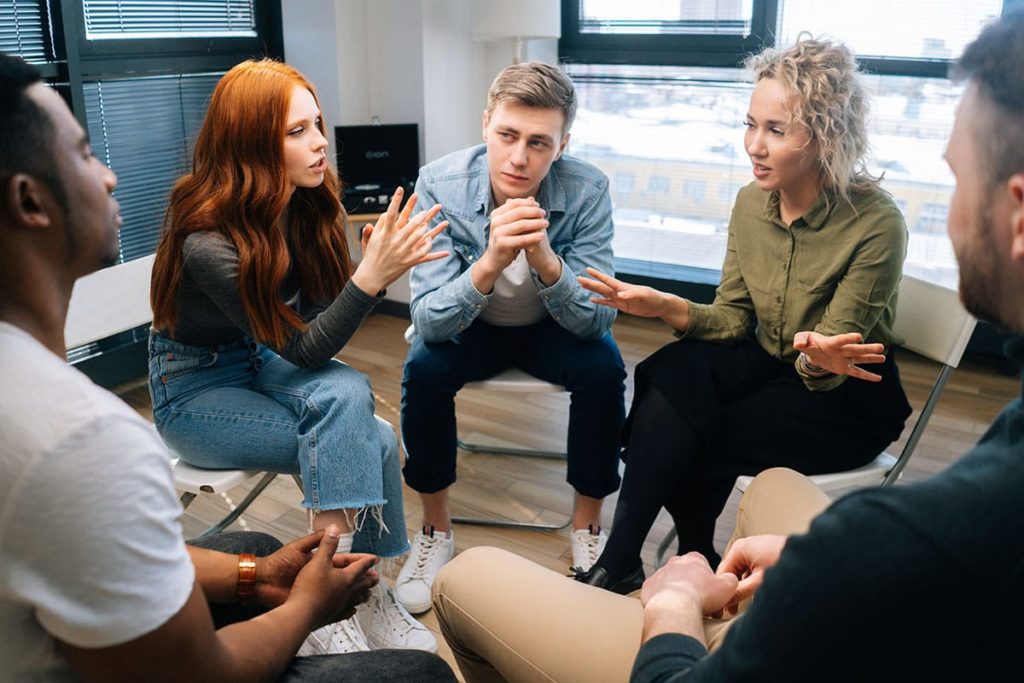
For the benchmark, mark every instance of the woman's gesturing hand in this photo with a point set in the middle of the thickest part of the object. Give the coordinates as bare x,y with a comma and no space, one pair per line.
395,243
840,354
645,302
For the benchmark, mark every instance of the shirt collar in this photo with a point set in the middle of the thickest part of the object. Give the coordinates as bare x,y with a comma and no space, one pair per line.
814,218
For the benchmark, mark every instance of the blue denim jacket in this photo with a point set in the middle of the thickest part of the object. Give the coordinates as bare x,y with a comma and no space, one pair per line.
575,195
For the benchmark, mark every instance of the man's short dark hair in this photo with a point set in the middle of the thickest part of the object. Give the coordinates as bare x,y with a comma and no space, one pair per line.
26,130
994,64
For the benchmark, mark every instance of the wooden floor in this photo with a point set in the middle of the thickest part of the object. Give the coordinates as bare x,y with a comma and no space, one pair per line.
529,488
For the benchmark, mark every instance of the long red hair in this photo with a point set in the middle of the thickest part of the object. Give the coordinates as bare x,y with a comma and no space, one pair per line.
239,187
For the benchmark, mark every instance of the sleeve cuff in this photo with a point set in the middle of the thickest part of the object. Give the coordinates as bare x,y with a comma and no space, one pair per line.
563,289
667,654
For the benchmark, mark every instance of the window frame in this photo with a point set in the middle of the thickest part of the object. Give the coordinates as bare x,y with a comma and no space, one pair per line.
715,51
74,60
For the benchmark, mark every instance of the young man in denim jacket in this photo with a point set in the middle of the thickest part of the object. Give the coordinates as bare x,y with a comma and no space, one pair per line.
524,221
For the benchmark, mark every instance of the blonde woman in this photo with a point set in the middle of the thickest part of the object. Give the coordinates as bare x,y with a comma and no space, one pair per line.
771,372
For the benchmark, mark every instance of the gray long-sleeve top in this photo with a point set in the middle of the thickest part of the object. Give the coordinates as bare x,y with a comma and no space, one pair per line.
210,309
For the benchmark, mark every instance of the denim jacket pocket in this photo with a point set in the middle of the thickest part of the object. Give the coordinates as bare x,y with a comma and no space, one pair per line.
467,251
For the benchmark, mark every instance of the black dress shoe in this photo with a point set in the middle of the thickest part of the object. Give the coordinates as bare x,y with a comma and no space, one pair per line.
599,576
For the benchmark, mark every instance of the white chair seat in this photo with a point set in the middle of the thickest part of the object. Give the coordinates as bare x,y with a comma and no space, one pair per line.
515,380
872,474
198,480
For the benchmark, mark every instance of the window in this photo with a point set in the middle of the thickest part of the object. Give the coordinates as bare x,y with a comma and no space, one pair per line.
138,74
123,19
659,87
25,31
144,127
658,184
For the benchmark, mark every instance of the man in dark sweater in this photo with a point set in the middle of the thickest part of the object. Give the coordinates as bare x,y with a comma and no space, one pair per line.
917,582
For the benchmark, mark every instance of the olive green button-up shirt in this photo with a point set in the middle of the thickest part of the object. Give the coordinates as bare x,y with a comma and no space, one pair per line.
836,269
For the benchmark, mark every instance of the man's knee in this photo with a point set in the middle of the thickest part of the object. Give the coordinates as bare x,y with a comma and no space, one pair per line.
597,365
466,569
779,501
429,365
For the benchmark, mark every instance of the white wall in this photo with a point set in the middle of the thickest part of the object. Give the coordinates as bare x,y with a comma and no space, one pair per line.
402,61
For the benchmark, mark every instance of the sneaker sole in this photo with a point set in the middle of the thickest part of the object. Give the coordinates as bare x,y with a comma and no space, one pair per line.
414,608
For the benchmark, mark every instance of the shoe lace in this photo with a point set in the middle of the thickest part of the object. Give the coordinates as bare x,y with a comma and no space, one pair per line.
591,543
427,548
397,619
346,636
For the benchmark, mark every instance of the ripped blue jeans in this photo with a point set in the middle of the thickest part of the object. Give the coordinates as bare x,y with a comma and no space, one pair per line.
240,405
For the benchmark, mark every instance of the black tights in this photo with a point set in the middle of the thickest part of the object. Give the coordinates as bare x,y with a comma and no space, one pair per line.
662,447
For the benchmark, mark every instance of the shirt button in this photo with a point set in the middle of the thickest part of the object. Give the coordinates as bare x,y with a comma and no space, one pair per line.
471,258
778,299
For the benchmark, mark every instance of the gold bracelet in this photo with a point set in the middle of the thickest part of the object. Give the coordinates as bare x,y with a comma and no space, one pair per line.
246,577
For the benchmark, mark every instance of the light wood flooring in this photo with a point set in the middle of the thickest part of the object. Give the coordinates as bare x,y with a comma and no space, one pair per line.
530,488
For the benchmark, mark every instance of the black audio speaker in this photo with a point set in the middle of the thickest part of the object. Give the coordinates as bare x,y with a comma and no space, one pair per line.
373,161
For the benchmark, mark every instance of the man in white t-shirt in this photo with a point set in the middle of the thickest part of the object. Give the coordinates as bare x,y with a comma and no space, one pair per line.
95,580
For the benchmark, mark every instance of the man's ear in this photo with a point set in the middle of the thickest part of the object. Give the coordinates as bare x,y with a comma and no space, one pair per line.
486,121
561,146
1016,187
27,201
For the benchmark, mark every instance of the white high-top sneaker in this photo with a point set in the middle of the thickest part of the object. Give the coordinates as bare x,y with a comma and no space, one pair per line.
430,551
338,638
587,546
388,625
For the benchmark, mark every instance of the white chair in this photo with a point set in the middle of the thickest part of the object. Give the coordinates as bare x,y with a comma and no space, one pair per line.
932,323
114,300
512,380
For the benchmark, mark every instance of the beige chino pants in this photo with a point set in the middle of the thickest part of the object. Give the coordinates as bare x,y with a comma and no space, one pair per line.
509,619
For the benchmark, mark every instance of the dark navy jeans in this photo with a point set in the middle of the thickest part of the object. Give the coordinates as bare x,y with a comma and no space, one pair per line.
400,666
590,369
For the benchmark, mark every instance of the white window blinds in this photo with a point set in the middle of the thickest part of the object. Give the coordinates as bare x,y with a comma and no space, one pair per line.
23,31
123,19
144,128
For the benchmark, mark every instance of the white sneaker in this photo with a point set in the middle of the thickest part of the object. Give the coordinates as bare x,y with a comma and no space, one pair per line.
388,625
338,638
587,546
430,551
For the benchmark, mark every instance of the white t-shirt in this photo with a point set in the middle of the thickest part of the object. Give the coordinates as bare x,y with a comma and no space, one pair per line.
91,550
515,301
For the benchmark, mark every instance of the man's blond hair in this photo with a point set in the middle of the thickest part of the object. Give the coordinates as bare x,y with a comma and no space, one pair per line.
535,84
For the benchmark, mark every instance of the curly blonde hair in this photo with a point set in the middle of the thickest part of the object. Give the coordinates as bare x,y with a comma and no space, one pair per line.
824,93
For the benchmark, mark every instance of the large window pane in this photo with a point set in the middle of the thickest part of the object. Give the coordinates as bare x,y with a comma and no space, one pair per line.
915,29
143,128
671,141
124,19
674,17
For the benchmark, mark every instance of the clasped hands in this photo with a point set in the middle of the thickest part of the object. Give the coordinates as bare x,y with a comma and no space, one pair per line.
521,225
331,585
688,582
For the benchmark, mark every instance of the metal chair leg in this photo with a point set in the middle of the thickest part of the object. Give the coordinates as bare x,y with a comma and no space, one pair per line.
504,523
509,524
505,450
240,508
659,557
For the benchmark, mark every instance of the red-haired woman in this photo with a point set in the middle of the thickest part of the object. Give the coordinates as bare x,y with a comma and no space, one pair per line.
253,294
